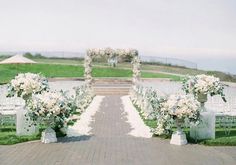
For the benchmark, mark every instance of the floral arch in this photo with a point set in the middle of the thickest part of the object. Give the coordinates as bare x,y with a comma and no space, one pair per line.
111,53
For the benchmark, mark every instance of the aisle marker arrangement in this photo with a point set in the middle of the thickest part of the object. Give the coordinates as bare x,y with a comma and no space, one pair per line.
177,109
44,106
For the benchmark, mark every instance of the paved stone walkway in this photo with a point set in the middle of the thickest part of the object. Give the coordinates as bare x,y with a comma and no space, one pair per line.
110,144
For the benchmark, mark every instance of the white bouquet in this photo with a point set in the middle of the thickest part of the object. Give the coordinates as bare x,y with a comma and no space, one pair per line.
26,84
176,108
203,84
182,107
83,97
51,106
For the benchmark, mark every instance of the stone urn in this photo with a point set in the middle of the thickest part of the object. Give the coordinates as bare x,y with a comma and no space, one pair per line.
178,137
48,135
202,98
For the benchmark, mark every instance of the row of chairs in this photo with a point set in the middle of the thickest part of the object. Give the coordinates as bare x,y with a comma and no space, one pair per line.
8,108
225,112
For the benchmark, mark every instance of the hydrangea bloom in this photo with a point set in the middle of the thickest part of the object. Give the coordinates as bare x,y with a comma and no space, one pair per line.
204,84
26,84
51,105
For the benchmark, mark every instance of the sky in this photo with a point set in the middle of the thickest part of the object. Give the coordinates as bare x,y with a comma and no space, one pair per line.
187,29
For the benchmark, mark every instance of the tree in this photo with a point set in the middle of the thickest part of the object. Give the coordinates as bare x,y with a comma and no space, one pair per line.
38,55
28,55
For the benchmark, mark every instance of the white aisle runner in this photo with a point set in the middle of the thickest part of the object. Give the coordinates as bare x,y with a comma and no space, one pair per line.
82,126
139,129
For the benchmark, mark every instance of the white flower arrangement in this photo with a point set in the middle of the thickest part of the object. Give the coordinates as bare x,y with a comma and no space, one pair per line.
136,69
177,107
45,106
88,69
137,96
112,54
134,94
83,98
203,84
26,84
182,107
164,124
147,100
52,106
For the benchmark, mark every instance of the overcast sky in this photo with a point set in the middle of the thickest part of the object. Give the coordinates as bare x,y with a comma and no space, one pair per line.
175,28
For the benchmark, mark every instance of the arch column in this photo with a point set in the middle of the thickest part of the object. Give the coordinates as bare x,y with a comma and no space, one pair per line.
88,69
136,69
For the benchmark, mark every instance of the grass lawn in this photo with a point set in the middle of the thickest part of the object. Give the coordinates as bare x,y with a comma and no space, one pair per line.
8,136
160,75
221,138
147,67
59,61
8,71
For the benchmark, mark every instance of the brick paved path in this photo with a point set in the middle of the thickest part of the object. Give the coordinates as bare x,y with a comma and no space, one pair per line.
110,144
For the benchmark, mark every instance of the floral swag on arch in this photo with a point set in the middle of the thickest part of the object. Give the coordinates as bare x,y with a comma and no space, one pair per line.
111,54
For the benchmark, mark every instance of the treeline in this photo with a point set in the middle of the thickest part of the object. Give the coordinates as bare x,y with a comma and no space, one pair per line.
223,76
3,56
40,56
163,64
96,59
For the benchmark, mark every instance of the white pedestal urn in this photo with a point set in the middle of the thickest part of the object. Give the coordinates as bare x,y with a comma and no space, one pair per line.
178,137
206,127
48,135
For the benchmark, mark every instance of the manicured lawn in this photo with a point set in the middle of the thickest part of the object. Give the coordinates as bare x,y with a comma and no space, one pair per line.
160,75
8,136
147,67
221,138
8,71
59,61
148,122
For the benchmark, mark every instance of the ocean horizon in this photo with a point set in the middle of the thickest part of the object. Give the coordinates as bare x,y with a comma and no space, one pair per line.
227,65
